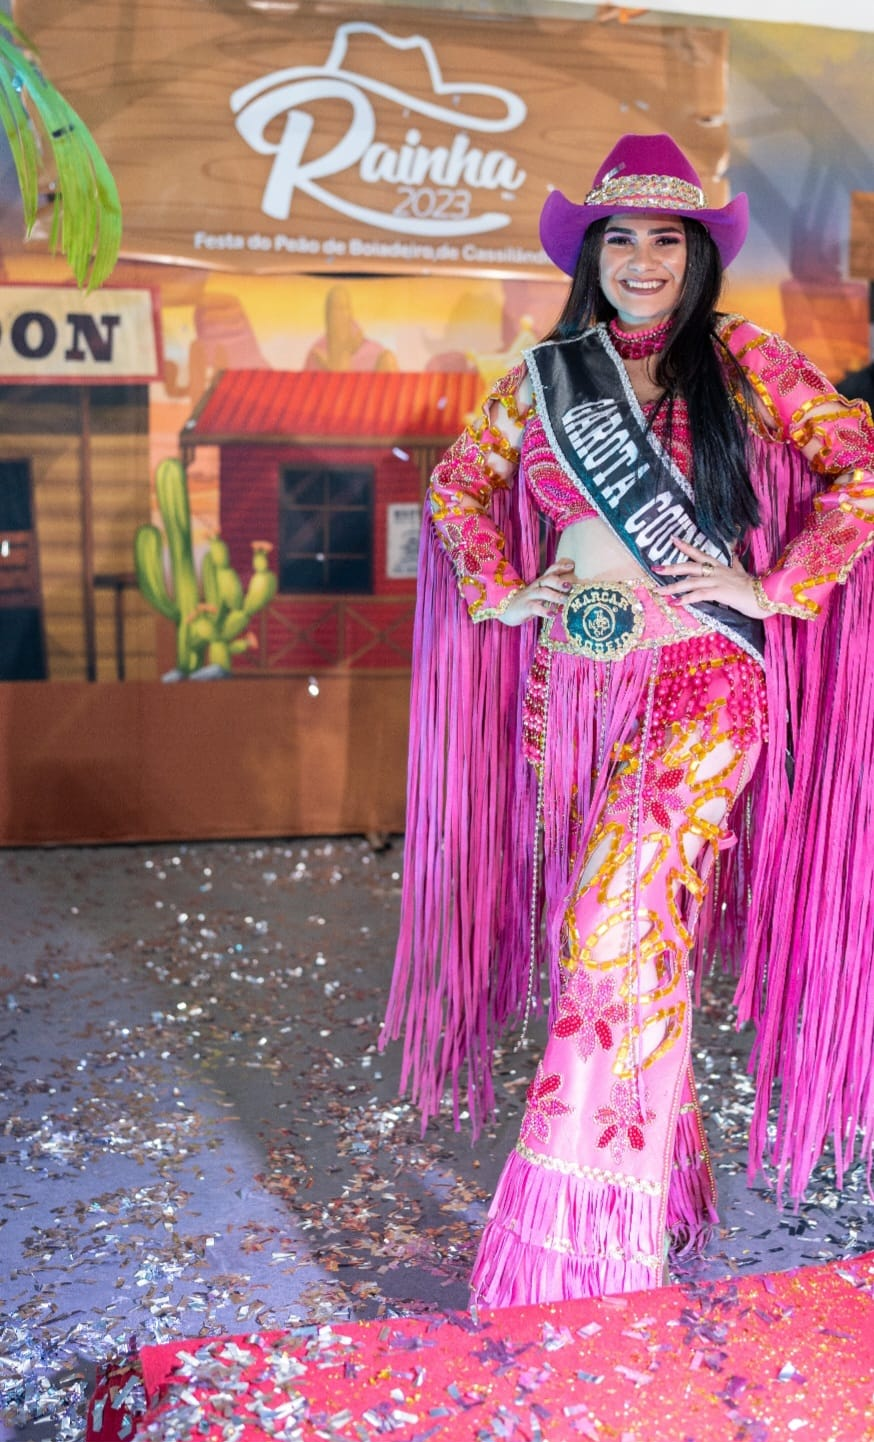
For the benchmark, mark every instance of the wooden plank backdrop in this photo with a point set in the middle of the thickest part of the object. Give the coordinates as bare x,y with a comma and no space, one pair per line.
142,761
862,234
154,79
43,424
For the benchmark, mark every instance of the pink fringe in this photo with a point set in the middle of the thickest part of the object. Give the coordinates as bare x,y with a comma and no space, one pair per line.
574,778
461,969
691,1214
806,940
523,1266
792,907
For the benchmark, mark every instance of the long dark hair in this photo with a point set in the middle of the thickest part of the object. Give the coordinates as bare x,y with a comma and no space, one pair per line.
689,366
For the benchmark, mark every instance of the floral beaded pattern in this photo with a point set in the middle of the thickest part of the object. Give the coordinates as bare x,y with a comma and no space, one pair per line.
783,370
555,495
588,1012
542,1105
474,546
801,408
610,1084
705,715
823,542
661,797
624,1120
460,495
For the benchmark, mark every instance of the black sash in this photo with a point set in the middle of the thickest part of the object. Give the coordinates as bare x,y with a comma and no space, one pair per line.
597,430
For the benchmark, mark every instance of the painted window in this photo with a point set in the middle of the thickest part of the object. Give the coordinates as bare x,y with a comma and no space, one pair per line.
326,529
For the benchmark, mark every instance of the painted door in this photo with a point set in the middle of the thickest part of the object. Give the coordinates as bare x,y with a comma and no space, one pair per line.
22,647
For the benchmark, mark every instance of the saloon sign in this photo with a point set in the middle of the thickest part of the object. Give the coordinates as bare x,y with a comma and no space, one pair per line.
55,334
262,139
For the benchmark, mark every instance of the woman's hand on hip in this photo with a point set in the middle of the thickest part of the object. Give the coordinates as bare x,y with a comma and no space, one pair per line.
543,596
701,578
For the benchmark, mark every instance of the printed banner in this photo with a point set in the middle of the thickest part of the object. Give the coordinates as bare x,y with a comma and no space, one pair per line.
53,333
254,139
403,523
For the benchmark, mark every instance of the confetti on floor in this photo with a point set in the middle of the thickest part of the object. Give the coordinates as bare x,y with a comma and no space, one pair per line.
764,1359
200,1138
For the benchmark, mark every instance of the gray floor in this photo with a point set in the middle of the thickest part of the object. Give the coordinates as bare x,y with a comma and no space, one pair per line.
200,1137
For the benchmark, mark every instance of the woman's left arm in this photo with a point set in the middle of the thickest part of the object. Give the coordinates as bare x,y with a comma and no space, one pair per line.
837,437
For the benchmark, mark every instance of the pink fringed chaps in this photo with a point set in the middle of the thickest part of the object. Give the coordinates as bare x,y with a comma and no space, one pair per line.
792,907
643,761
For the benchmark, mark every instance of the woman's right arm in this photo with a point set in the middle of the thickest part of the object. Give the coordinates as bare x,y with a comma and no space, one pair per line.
483,460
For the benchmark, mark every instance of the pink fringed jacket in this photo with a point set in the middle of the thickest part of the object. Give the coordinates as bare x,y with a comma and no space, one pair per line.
794,912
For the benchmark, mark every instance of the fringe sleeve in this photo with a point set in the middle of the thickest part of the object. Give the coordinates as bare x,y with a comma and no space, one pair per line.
460,498
462,961
837,438
799,909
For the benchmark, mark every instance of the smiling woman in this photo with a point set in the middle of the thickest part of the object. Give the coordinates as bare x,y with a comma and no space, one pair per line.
643,264
705,491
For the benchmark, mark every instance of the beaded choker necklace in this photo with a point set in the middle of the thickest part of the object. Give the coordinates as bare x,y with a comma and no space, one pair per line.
635,344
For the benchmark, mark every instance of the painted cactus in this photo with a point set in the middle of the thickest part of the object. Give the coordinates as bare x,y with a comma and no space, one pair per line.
211,626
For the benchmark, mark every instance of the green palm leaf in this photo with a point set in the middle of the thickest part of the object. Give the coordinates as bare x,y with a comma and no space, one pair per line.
86,221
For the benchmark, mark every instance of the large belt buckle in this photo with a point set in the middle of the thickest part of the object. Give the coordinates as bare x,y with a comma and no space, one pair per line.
603,622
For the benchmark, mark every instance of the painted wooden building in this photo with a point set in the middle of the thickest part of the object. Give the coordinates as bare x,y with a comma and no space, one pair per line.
74,468
74,480
330,469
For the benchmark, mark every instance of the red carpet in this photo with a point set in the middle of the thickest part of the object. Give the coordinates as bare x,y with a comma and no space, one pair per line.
782,1356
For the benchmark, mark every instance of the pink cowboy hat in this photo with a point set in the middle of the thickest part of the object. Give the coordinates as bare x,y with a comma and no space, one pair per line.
642,172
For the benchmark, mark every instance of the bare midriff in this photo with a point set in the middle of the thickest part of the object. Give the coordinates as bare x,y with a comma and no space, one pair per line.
597,554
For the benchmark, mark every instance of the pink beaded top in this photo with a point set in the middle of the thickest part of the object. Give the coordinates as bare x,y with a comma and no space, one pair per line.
796,405
553,493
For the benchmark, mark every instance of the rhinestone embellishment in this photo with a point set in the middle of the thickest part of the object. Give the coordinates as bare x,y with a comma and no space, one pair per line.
669,191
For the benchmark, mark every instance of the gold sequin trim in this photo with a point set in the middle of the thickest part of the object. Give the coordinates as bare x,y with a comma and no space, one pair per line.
511,406
764,395
782,608
725,331
588,1174
859,513
813,424
493,613
486,439
476,606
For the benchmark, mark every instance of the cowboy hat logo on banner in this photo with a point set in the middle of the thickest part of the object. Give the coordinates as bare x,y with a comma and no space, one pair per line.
433,184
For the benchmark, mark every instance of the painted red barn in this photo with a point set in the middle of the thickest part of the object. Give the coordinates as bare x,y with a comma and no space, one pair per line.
330,468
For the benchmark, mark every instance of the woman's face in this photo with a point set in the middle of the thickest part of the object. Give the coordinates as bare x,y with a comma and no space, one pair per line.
643,262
